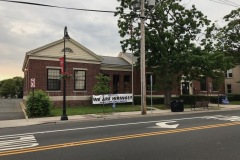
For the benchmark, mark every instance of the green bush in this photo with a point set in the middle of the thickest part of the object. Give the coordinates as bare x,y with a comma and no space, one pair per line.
38,104
155,100
191,99
233,97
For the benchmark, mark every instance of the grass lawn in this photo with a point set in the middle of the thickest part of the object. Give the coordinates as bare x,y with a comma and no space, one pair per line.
94,109
107,109
234,102
99,109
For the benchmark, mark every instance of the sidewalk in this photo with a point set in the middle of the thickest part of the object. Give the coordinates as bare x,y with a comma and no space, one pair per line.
115,115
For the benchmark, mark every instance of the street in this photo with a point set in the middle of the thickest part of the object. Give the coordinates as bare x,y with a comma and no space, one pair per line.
199,136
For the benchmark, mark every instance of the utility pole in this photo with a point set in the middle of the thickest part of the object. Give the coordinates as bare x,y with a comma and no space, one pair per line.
143,73
142,49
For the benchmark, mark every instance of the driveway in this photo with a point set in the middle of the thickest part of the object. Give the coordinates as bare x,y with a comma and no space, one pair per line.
10,109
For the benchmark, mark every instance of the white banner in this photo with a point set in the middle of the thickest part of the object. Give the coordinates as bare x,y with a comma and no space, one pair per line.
112,98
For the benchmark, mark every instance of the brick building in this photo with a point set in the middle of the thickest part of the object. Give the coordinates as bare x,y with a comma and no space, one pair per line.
43,65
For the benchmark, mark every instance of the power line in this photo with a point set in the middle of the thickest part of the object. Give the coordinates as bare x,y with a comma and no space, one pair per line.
54,24
45,5
228,3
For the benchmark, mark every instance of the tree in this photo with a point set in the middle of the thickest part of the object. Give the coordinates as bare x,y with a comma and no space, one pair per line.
229,36
102,85
12,87
172,32
8,88
18,86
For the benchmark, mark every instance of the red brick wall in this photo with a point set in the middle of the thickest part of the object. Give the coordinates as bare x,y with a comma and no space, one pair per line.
37,69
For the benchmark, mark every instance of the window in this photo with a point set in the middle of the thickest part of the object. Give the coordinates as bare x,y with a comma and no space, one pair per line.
229,88
126,84
79,80
229,73
69,50
203,84
53,81
215,84
115,84
149,81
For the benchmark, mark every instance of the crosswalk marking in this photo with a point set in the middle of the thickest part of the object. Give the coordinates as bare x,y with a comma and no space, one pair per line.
17,142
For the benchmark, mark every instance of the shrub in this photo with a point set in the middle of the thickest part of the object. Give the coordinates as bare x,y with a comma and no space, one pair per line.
155,100
39,104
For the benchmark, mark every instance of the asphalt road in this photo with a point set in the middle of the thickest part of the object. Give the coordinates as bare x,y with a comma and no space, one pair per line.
205,136
10,109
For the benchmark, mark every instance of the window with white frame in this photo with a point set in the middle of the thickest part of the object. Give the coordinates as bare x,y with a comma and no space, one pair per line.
79,80
53,81
229,73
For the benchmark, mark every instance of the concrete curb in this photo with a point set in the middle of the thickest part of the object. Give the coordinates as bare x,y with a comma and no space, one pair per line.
23,107
117,115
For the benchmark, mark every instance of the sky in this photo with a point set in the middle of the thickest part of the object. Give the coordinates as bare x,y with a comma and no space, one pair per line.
26,27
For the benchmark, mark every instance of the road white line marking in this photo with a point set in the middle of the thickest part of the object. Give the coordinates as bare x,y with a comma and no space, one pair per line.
18,142
105,126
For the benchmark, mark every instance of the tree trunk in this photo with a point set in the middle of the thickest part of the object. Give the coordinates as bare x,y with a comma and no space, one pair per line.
167,97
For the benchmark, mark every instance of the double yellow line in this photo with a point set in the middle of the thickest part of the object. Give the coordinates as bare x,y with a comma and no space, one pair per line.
117,138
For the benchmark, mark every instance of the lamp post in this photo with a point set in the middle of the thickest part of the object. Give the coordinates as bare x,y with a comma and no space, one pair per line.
64,114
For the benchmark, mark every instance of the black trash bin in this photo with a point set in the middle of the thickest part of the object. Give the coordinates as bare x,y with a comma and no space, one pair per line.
177,105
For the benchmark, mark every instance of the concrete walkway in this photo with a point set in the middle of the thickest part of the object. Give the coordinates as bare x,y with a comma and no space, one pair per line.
116,115
10,109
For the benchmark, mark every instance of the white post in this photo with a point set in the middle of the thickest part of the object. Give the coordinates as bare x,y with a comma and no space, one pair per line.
151,91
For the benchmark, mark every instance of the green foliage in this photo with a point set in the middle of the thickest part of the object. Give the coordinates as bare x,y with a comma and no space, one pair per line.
12,87
155,100
191,99
176,42
228,36
7,88
102,86
38,104
233,97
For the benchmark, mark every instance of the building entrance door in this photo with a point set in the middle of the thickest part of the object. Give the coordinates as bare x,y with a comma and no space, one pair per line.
115,84
185,88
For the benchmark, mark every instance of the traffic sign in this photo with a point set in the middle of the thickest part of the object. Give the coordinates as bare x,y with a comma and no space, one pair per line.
32,82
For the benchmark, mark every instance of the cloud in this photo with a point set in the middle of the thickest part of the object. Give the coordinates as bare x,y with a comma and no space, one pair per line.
26,27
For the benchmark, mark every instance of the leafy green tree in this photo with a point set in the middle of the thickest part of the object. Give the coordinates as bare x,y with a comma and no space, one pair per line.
8,88
18,86
178,42
12,87
102,86
171,32
38,104
229,36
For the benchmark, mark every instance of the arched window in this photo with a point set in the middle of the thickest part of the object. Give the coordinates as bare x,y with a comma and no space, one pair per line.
67,50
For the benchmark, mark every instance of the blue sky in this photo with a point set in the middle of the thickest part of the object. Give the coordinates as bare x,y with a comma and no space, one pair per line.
26,27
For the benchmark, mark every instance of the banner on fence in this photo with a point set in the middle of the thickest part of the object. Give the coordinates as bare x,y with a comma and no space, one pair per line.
112,98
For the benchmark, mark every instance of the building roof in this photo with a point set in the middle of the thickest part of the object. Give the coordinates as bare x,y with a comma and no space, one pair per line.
128,57
53,51
114,61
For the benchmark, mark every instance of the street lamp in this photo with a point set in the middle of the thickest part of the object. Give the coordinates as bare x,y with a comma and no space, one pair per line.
64,114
